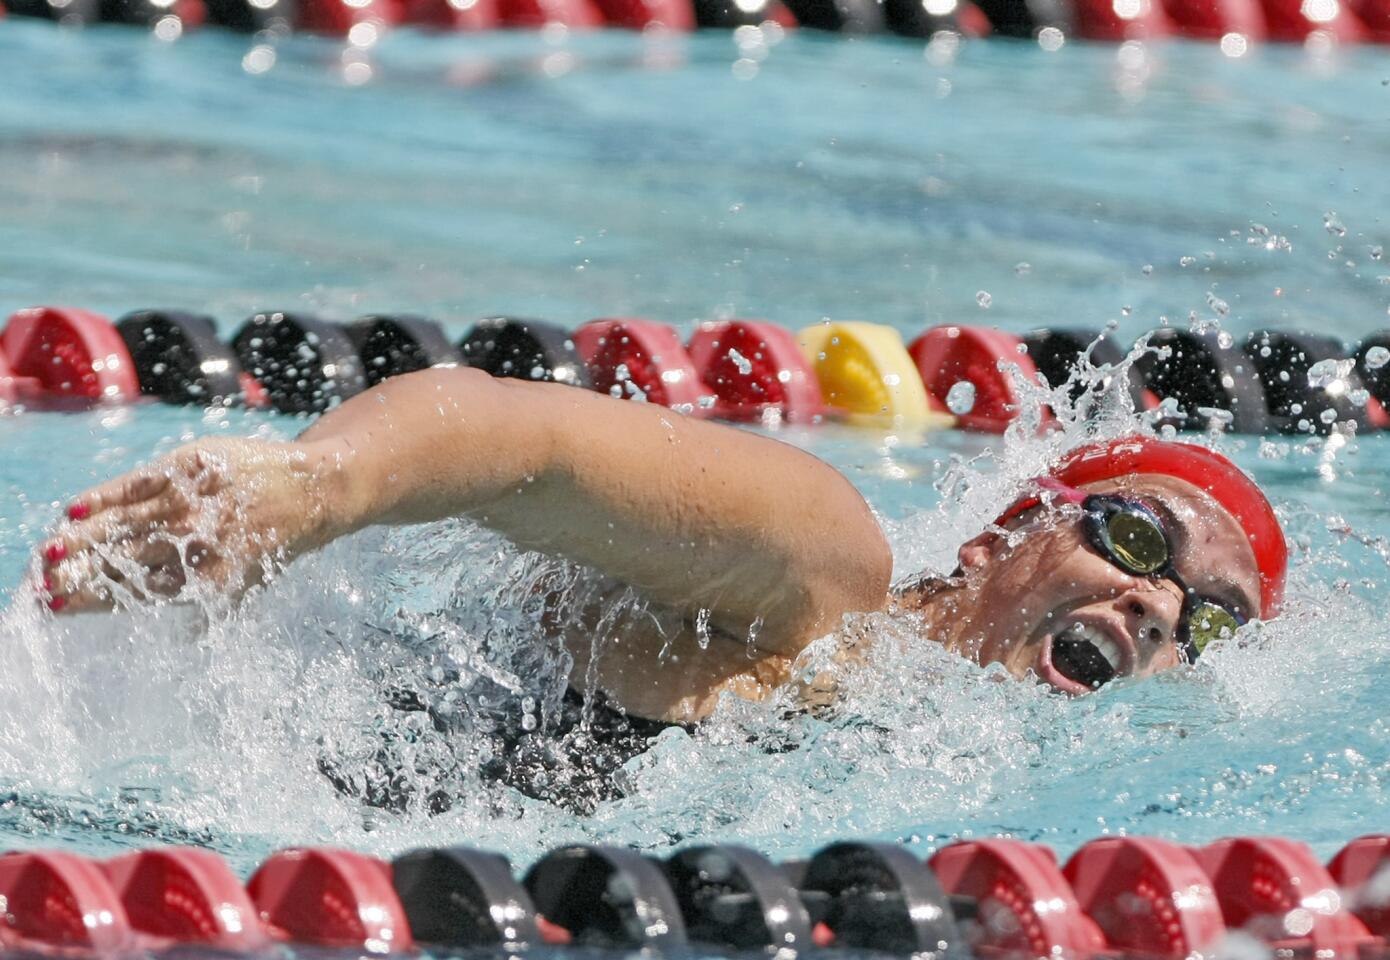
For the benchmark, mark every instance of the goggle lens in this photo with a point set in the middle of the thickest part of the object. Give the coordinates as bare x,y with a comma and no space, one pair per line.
1209,622
1136,541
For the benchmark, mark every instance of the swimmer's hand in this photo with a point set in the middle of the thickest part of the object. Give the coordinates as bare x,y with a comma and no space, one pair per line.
218,513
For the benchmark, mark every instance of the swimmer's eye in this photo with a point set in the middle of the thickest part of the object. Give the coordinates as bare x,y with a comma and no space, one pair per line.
1137,542
1128,534
1207,623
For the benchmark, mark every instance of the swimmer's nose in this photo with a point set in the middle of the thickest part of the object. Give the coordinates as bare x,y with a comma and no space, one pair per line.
1152,610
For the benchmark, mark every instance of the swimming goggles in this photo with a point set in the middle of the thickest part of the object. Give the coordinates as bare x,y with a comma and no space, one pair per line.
1129,534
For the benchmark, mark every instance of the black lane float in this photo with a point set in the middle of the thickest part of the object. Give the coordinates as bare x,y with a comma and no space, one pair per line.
1309,383
392,344
735,898
1208,377
523,349
1058,352
306,365
179,359
607,897
462,898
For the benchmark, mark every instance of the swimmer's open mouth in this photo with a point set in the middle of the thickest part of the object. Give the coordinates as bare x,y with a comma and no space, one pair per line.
1086,656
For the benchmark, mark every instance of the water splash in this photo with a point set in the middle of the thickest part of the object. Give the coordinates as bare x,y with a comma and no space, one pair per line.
393,656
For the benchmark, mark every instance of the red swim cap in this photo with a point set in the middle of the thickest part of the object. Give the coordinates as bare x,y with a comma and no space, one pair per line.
1206,470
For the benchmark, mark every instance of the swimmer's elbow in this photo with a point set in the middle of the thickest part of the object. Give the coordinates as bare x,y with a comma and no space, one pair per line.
868,590
857,582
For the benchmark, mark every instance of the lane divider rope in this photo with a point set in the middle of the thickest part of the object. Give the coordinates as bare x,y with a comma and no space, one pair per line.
858,373
1116,897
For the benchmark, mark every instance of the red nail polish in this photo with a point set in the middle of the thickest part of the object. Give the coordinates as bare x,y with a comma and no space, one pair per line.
55,553
57,603
79,511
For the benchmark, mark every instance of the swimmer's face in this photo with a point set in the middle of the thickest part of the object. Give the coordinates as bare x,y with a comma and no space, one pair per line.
1063,594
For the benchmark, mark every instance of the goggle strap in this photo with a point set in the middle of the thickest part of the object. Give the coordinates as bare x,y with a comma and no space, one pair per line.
1060,491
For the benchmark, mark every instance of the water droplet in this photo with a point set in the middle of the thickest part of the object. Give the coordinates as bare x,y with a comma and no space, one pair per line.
1186,261
984,299
1328,416
960,399
1321,373
1147,269
1377,252
1333,224
1360,396
1023,268
1220,307
1224,340
1377,357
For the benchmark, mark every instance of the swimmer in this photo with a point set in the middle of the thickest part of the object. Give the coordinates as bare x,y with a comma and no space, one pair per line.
1126,561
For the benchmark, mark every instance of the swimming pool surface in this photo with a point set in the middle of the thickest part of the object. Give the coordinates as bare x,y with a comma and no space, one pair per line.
686,178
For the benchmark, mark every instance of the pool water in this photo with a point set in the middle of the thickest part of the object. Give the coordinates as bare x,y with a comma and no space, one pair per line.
788,177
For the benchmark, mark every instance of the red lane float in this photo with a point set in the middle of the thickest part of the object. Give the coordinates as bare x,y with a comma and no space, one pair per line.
1362,869
1294,21
72,353
534,14
1375,14
1149,897
1025,905
468,16
15,389
1277,891
1116,21
331,898
948,355
755,370
58,900
642,14
338,17
186,895
1235,23
631,358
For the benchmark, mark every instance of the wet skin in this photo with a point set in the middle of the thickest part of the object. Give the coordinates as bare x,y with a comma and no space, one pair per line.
710,524
1012,602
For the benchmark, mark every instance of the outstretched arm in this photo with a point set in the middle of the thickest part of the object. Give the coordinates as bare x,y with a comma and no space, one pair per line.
697,516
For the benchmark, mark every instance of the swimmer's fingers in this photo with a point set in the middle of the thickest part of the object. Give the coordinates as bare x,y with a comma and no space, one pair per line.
123,491
193,467
76,584
132,572
166,510
95,515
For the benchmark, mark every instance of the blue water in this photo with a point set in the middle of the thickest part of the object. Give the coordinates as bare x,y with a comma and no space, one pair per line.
683,179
